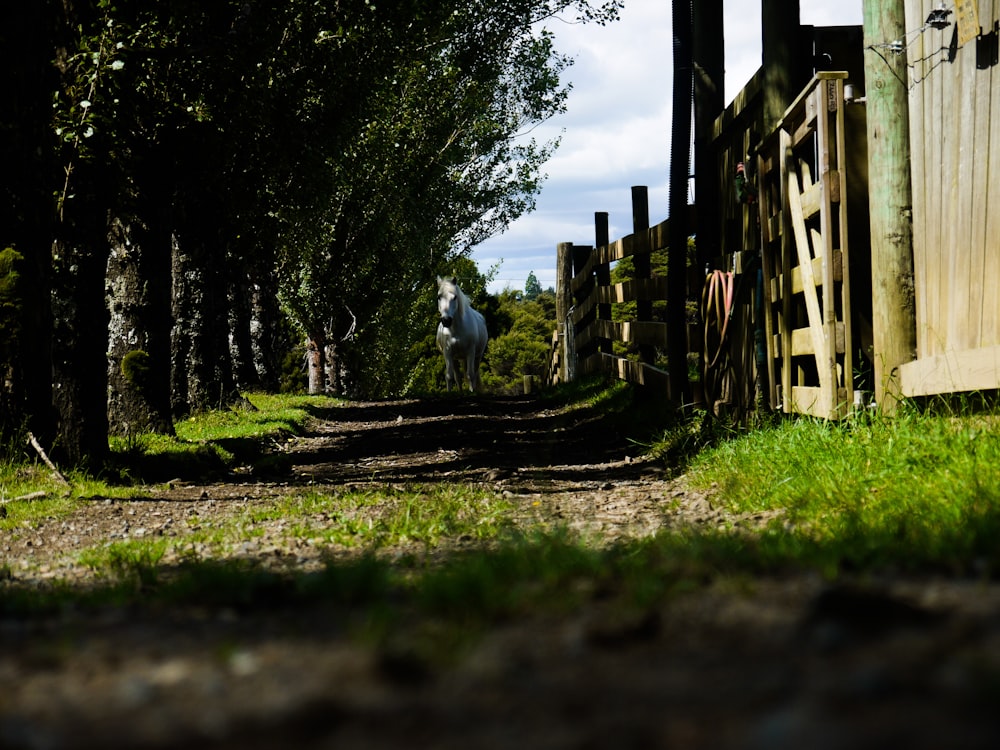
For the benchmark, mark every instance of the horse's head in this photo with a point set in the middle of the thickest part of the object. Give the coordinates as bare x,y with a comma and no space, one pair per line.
449,301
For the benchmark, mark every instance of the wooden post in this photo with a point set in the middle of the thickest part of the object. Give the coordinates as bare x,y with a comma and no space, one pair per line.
581,257
602,271
709,101
889,199
564,300
643,265
785,72
680,171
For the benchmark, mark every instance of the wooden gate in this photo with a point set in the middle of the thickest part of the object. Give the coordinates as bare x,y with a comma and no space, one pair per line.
801,172
954,100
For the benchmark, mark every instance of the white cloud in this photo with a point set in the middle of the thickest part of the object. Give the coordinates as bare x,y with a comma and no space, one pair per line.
616,132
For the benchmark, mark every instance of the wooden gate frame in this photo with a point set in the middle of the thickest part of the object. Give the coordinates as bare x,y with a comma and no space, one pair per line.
804,254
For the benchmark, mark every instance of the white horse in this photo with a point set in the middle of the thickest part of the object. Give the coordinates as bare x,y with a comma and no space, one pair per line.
461,333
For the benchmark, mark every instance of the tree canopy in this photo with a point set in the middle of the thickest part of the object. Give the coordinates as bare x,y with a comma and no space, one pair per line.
333,155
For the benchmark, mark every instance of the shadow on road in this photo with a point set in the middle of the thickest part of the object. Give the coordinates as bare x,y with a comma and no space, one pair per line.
427,439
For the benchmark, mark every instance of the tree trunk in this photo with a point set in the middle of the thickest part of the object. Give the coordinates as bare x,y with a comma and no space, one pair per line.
26,153
79,255
202,376
316,359
80,331
267,337
241,350
139,331
180,342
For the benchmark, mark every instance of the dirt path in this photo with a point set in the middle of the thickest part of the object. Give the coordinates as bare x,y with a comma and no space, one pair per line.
790,662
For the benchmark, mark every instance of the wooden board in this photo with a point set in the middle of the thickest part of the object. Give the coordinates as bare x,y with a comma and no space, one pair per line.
636,372
955,145
952,372
808,283
634,332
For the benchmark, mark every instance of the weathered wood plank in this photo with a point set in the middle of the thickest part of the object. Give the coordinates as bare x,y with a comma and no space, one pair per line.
770,221
936,131
637,372
962,83
593,363
585,275
838,193
803,343
812,200
742,104
659,236
634,332
584,336
822,240
817,265
990,330
952,372
787,250
823,364
811,401
584,306
918,173
977,134
654,288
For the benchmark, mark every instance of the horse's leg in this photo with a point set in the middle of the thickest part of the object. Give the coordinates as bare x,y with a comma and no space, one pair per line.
472,371
449,371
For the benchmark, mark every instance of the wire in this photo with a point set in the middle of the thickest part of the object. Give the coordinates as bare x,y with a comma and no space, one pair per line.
936,20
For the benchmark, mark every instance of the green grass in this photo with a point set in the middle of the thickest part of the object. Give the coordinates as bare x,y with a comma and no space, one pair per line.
387,517
207,446
916,490
276,415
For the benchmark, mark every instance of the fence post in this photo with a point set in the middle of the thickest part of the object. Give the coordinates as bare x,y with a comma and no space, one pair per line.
602,272
581,256
569,349
709,51
894,326
783,54
643,266
564,299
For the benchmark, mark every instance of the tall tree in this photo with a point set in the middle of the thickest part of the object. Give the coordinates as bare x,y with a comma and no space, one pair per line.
433,166
83,53
531,286
210,145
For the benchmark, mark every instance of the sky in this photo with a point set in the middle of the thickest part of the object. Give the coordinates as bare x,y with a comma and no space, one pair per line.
616,130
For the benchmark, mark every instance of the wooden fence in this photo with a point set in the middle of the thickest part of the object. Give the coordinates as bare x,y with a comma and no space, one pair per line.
954,107
801,215
733,338
585,342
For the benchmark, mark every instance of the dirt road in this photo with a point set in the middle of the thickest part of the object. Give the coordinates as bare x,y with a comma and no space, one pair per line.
784,662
